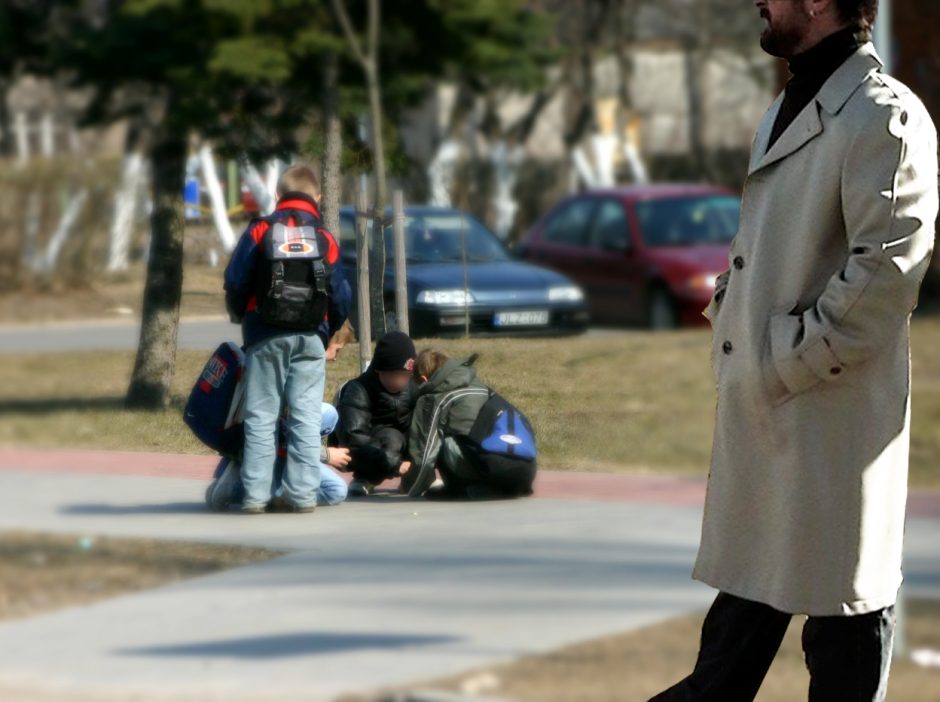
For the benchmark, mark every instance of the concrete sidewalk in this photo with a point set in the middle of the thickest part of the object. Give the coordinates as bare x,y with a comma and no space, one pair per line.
369,593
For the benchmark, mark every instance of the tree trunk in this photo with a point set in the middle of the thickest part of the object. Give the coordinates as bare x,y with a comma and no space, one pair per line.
377,250
156,352
6,124
332,145
693,84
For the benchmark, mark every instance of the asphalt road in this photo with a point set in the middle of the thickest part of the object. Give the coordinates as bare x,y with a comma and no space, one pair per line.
122,335
117,335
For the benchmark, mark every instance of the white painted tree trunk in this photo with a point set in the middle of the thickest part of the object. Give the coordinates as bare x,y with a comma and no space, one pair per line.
258,189
604,147
272,171
583,169
441,172
505,171
125,205
635,162
47,135
30,254
46,263
22,137
217,198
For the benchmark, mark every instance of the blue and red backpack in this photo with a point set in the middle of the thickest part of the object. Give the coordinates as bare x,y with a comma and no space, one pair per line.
215,407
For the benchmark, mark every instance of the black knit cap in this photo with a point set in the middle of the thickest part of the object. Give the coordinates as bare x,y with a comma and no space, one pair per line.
394,352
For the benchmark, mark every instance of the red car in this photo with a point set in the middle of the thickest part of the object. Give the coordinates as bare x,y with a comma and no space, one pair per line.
645,255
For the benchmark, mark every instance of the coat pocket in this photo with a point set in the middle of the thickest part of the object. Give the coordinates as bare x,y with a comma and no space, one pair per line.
779,343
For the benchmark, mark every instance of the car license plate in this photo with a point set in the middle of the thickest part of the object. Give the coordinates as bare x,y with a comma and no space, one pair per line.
527,318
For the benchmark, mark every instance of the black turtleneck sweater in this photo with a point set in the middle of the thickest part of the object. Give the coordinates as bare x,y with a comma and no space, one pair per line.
810,70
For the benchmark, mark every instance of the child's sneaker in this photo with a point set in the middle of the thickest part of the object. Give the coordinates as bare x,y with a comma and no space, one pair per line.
220,493
360,488
279,504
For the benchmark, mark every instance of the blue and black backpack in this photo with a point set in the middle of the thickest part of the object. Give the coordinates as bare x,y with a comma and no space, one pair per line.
501,444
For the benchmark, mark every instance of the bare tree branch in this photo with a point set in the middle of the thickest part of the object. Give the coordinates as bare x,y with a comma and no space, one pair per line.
339,8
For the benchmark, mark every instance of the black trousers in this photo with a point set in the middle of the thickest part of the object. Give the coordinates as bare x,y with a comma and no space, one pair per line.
380,458
848,657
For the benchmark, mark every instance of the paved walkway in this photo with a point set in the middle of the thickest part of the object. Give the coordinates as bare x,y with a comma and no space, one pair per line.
370,593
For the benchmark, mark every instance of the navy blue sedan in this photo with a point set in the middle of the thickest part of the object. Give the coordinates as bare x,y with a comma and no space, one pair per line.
460,272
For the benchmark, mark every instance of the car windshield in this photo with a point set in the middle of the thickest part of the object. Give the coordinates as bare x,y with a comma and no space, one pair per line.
689,221
437,237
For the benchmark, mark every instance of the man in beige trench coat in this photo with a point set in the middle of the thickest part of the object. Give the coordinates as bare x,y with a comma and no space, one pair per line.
806,495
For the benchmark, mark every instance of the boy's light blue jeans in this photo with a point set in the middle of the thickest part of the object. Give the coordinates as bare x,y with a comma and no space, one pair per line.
333,488
291,369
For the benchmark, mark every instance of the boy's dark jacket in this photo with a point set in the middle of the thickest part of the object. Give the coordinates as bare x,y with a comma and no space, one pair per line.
448,405
240,275
365,405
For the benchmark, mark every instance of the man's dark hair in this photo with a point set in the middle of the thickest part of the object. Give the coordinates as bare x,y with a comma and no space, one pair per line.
861,13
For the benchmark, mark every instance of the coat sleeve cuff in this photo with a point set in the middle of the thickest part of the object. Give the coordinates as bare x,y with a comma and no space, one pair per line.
710,311
798,371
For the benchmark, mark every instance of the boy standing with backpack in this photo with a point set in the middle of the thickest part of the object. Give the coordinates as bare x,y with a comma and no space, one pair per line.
286,287
483,447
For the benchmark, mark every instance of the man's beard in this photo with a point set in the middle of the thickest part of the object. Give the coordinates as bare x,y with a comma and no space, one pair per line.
781,41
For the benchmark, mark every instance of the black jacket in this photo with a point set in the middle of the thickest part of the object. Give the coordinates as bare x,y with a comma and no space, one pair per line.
365,406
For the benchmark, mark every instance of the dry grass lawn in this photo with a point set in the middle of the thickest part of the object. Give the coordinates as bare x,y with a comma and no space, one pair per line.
42,572
634,666
623,401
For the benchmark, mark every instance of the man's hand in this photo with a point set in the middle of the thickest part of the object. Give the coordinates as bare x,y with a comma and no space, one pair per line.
339,340
339,458
404,467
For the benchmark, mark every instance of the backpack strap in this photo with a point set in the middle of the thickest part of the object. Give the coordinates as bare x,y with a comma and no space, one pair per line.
277,279
320,275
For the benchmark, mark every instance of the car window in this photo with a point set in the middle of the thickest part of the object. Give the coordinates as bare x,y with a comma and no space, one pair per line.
347,233
570,223
434,237
689,221
610,231
448,236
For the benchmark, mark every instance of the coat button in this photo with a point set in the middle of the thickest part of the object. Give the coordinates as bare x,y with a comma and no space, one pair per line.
835,370
738,262
727,347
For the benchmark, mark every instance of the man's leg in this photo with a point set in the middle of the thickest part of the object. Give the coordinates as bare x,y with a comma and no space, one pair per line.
379,460
849,657
329,418
461,478
333,489
265,376
392,443
304,389
739,641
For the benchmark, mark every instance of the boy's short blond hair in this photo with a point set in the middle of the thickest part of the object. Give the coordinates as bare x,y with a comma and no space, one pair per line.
429,361
299,178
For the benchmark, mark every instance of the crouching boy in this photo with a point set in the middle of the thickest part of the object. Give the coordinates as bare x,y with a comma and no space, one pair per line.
481,445
375,415
227,490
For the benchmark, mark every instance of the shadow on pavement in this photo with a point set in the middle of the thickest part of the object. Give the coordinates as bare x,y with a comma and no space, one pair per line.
168,508
286,645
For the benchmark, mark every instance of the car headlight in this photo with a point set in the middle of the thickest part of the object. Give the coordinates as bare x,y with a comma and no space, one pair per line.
565,293
704,281
446,297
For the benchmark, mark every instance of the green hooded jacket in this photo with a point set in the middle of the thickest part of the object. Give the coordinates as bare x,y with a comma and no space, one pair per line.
448,405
